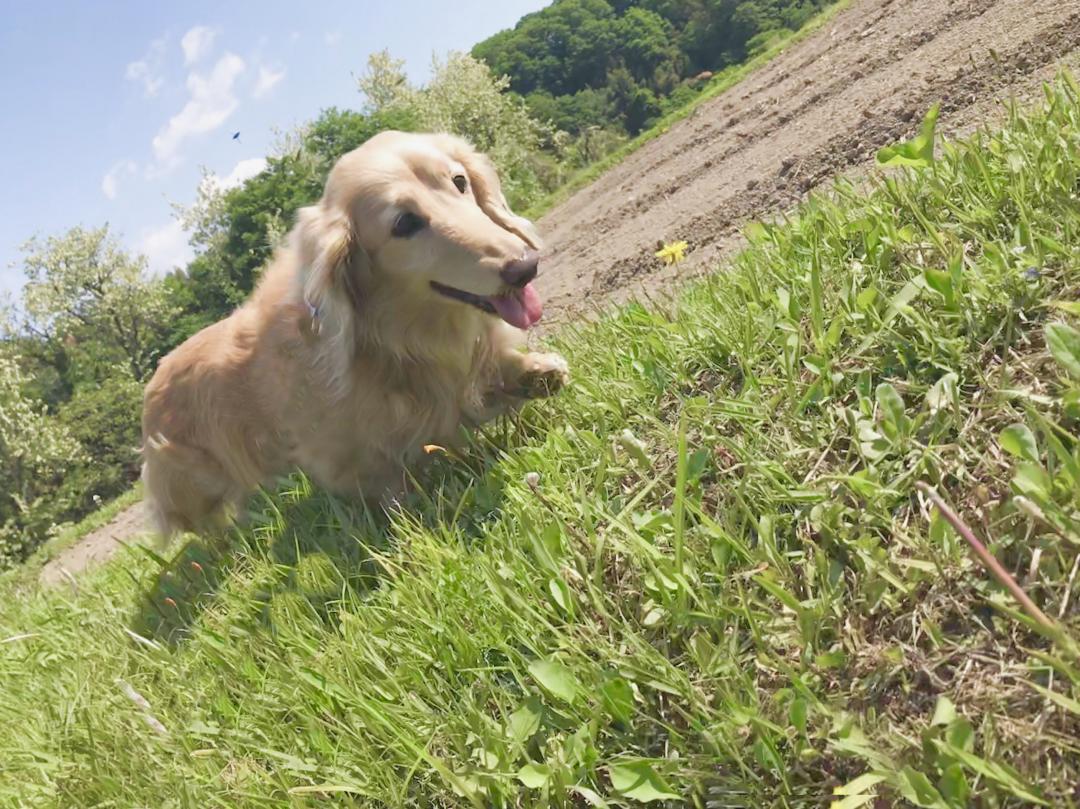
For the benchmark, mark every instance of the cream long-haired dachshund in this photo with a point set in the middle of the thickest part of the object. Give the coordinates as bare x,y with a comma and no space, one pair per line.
393,315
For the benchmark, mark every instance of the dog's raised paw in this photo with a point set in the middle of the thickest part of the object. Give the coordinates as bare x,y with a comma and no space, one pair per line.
545,375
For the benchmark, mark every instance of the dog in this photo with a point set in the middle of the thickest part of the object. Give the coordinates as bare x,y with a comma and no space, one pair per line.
392,316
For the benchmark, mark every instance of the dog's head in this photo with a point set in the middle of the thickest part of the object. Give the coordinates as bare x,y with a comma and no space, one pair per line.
425,216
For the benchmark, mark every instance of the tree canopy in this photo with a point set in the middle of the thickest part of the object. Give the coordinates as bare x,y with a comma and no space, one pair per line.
583,63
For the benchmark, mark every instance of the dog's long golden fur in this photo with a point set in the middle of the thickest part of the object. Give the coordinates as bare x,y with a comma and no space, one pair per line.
390,318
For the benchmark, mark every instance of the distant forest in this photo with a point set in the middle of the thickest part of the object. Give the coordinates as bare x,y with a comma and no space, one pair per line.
603,63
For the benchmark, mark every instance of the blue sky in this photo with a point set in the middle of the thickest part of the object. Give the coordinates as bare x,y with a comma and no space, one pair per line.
111,108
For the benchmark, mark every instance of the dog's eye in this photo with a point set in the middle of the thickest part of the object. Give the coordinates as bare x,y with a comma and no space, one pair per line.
406,225
462,182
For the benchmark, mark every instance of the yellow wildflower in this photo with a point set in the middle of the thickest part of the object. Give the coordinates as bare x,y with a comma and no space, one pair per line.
672,253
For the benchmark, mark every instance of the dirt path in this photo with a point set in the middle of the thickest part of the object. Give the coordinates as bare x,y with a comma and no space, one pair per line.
821,108
96,547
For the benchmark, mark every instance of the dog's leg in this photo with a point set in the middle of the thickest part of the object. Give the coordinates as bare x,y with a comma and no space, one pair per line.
518,375
534,375
526,374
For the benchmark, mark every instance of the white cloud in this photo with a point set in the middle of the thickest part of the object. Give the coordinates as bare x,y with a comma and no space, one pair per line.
211,103
268,79
244,170
112,176
165,248
332,38
196,43
147,71
294,35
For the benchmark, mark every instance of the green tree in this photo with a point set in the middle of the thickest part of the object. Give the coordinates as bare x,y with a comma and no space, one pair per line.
634,104
85,293
649,50
560,49
572,46
105,421
572,113
35,452
383,82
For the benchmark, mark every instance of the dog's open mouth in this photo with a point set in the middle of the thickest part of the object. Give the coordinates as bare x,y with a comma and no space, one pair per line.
520,307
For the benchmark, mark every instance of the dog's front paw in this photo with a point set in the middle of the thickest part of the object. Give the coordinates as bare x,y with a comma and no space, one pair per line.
544,375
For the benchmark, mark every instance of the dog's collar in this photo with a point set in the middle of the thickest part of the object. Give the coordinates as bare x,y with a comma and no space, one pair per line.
313,314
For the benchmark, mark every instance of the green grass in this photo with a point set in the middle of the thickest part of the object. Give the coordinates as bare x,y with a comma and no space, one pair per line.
703,573
720,82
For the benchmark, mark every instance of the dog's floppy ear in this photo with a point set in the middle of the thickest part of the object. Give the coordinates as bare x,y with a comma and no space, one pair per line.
334,267
488,192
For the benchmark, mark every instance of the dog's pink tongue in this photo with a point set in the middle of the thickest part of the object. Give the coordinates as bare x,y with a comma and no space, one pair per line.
521,308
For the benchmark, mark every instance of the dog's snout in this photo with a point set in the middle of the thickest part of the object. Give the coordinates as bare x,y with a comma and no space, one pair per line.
520,271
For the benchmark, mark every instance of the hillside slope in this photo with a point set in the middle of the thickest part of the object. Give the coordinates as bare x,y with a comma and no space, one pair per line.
705,574
823,107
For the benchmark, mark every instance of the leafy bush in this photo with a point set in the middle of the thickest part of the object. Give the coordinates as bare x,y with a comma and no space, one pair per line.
35,453
105,420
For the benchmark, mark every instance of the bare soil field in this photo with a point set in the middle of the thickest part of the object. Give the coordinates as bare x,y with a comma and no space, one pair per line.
822,108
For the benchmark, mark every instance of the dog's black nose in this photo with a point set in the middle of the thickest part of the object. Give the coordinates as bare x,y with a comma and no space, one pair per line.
521,271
